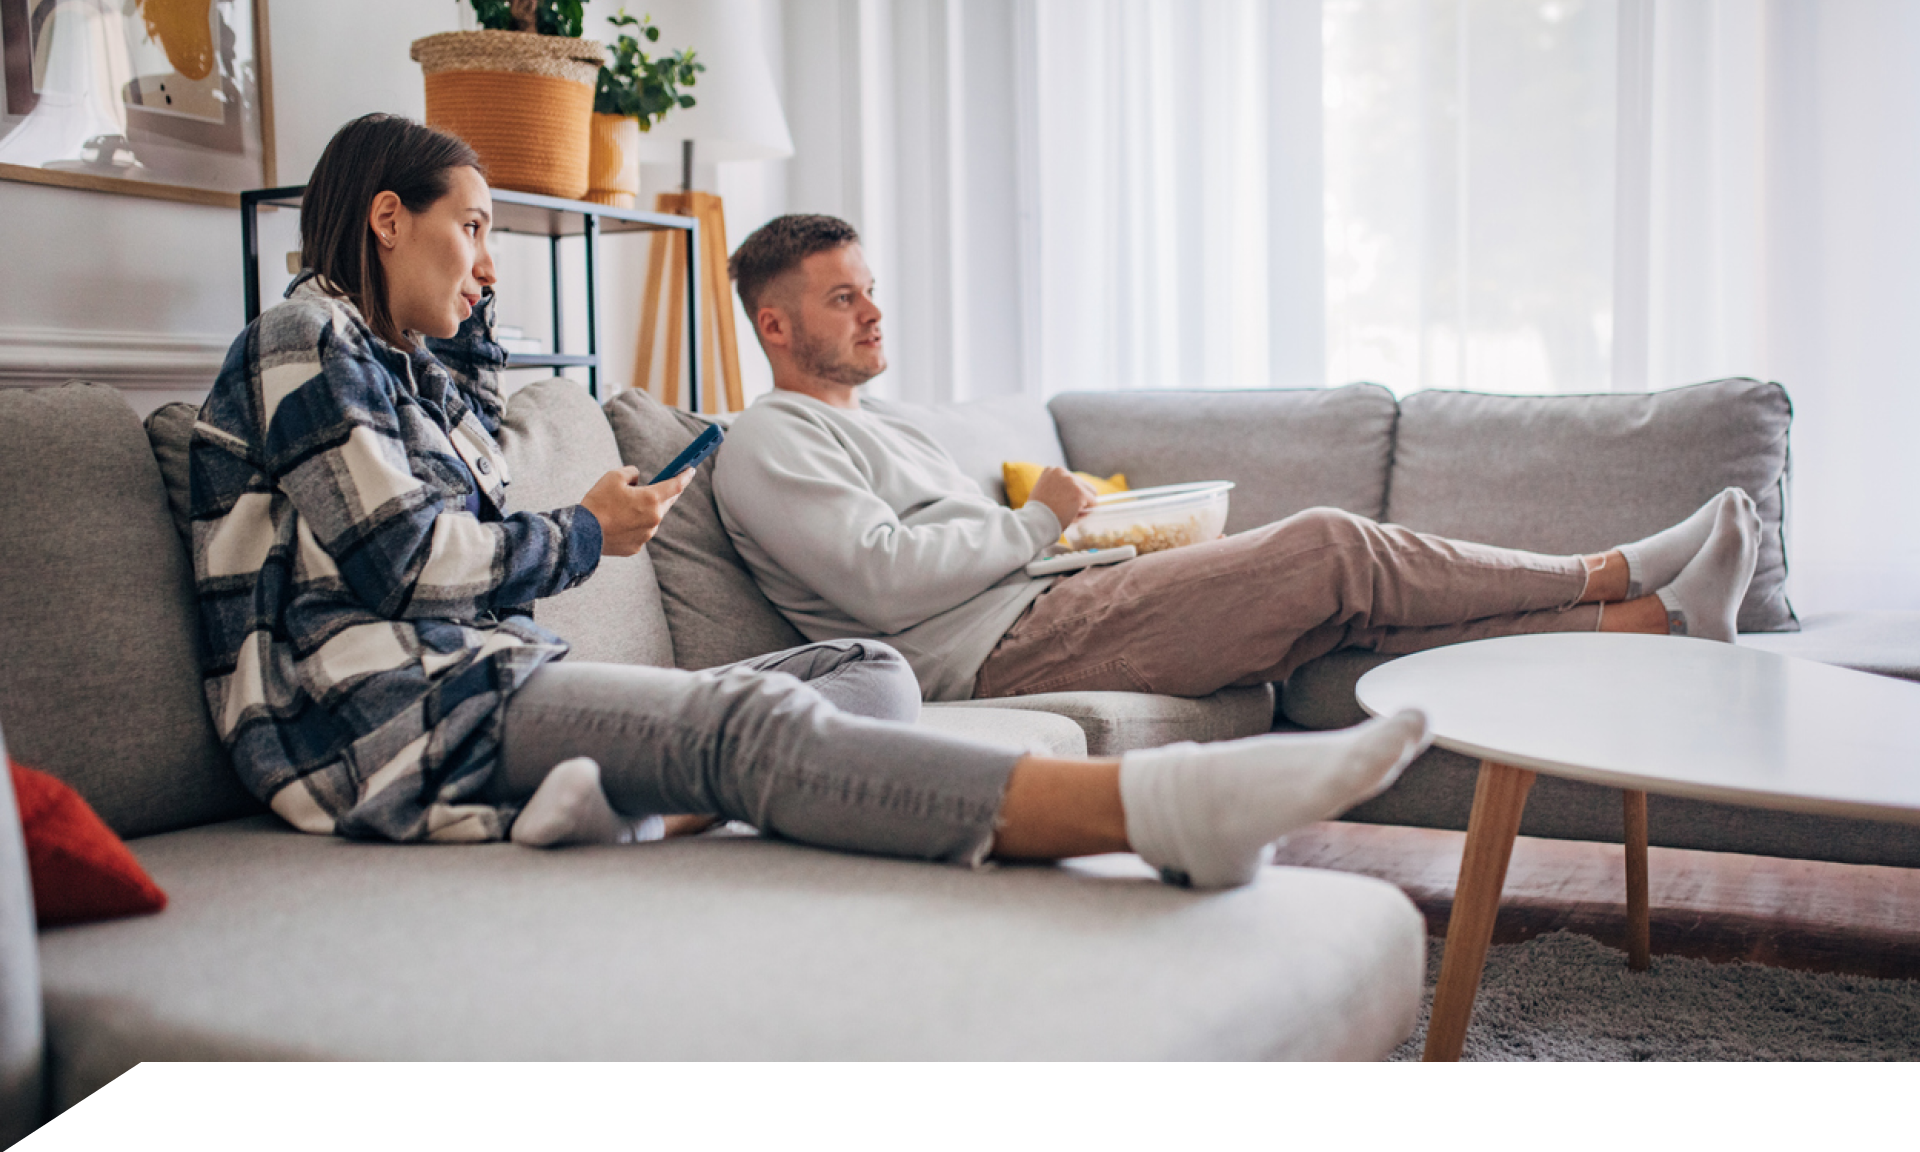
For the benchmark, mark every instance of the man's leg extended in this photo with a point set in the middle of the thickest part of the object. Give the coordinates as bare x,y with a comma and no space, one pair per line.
1253,607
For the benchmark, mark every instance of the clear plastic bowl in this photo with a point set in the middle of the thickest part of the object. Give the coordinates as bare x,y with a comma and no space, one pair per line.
1154,519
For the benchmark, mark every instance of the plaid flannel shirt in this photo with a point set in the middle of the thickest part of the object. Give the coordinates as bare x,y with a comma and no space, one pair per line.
362,629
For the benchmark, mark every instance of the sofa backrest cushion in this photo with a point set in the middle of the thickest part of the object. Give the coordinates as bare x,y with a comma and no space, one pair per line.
170,435
982,435
557,443
99,630
715,611
1568,474
1284,449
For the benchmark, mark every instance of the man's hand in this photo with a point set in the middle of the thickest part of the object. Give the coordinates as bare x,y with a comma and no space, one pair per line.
630,512
1069,496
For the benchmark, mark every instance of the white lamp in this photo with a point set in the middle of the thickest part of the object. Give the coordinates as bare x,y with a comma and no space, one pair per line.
736,116
736,113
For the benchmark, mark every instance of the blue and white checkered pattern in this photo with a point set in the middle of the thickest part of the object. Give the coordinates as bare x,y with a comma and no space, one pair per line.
362,629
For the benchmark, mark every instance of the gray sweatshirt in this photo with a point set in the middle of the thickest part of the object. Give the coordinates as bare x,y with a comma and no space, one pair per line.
856,524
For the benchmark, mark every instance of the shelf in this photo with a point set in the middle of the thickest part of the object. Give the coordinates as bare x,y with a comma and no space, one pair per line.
527,214
547,360
522,213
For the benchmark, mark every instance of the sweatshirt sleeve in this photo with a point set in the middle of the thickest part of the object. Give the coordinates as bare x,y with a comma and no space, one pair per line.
797,493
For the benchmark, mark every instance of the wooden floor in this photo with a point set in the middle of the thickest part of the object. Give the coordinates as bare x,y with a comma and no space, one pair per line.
1714,905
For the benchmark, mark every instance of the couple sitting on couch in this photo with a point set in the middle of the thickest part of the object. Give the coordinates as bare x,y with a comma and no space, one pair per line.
363,586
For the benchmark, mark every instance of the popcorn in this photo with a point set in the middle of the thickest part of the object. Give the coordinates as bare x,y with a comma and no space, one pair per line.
1145,538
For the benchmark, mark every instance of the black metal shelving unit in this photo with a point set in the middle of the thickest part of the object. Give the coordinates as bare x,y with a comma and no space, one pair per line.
527,214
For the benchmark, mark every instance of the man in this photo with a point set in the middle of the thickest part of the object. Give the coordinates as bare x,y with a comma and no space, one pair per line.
857,524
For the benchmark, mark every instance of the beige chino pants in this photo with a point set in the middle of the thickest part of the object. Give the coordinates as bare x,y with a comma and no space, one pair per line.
1252,608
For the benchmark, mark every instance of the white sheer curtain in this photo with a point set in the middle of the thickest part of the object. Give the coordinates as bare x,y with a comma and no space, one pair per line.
1508,195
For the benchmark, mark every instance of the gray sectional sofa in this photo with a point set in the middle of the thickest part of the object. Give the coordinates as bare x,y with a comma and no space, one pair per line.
278,944
281,945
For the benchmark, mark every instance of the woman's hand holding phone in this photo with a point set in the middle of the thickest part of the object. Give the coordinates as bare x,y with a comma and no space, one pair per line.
630,512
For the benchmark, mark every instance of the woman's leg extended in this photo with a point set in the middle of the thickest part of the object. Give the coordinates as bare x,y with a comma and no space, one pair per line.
761,747
770,751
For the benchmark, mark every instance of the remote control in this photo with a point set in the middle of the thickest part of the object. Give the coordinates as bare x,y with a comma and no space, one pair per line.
1074,561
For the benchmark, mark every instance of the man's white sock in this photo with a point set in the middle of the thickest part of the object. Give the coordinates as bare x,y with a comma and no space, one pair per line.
1205,814
1655,562
570,807
1704,600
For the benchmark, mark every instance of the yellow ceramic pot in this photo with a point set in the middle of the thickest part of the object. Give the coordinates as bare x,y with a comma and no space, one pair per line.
613,161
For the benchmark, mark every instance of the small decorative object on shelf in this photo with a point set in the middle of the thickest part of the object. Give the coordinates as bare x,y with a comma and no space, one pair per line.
634,93
520,90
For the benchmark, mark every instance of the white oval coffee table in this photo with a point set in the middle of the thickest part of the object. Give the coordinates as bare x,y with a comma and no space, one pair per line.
1664,714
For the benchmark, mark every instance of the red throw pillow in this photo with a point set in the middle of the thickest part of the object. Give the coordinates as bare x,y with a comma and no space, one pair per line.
80,869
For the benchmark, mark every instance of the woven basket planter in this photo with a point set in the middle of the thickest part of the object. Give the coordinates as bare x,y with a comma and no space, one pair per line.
523,101
613,165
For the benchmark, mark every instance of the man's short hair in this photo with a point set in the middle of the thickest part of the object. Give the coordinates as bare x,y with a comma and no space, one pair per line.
778,246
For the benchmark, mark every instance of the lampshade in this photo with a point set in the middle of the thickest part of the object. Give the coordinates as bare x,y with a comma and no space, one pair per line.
736,114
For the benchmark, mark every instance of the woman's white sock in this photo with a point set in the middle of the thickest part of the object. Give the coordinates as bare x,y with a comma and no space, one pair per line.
1655,562
1205,814
1704,599
570,807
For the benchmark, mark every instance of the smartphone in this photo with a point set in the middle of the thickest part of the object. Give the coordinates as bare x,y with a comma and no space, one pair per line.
701,448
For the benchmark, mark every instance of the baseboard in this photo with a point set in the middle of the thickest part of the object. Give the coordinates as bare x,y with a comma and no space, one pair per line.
128,360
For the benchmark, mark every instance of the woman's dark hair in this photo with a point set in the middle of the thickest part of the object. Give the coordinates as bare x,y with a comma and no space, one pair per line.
374,154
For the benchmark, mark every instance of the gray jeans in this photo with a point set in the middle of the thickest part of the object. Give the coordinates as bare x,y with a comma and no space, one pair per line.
813,744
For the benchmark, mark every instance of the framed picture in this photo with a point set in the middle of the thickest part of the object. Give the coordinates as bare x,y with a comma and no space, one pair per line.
164,98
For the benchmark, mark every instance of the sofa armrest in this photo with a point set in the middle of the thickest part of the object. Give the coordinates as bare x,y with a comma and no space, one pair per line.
22,1032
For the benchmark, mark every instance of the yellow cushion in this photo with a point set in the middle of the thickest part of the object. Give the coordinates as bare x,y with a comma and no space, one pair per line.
1020,478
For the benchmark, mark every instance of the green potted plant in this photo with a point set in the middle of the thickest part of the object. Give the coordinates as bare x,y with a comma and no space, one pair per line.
634,93
520,90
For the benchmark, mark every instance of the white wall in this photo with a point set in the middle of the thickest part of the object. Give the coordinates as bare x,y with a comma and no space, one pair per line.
146,295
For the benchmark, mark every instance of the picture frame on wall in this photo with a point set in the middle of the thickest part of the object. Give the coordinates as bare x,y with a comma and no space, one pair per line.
163,98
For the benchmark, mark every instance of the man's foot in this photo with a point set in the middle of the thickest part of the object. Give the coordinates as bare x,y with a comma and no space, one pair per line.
1704,600
1657,561
569,807
1206,814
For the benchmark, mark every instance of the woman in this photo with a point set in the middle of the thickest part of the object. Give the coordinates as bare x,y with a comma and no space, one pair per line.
374,672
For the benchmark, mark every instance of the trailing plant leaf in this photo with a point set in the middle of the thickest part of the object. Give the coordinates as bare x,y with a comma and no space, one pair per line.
645,88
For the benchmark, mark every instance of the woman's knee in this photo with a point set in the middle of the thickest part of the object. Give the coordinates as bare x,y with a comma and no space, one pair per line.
879,683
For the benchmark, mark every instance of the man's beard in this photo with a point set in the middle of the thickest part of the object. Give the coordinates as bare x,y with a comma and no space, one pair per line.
820,359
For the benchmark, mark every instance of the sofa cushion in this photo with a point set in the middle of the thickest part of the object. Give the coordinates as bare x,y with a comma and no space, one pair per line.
1567,474
1116,722
1886,642
716,947
714,610
1030,730
557,443
1284,449
1319,694
170,435
982,435
100,680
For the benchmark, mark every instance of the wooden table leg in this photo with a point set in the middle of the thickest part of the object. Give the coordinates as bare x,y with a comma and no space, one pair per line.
1639,934
1499,797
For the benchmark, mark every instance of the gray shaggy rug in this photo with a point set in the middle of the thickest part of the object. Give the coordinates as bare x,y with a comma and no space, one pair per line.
1566,997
